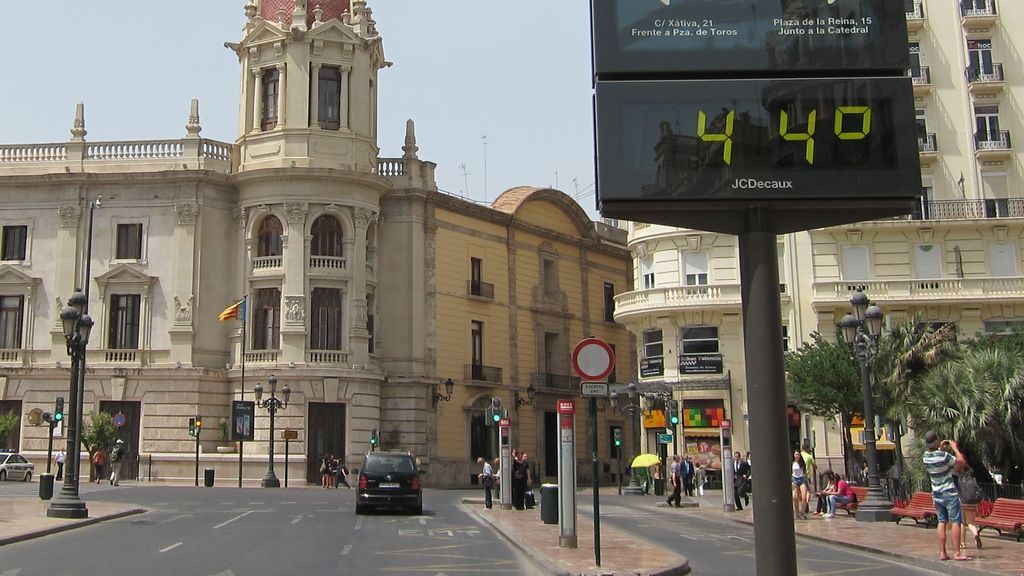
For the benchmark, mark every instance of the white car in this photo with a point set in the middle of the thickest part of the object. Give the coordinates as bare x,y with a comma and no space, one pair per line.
14,466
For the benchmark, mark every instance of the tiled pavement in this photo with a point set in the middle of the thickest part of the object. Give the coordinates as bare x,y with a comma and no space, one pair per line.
23,518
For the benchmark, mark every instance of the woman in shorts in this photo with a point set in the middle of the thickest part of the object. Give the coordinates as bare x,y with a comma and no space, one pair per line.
800,490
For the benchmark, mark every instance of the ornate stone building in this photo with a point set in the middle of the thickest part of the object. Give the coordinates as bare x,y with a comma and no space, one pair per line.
366,288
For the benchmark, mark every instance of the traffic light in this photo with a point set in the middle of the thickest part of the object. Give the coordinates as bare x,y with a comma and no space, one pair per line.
199,424
191,426
48,418
373,438
495,410
58,410
673,407
617,436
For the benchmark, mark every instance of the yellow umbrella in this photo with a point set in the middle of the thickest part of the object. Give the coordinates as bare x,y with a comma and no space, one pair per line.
645,460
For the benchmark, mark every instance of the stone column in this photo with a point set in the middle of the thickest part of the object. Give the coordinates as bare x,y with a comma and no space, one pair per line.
181,331
282,89
359,336
293,292
345,96
257,100
314,97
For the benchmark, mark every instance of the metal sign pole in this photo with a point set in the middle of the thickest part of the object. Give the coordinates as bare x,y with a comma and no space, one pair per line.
567,474
596,485
505,434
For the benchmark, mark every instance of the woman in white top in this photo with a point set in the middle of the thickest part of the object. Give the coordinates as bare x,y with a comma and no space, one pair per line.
800,490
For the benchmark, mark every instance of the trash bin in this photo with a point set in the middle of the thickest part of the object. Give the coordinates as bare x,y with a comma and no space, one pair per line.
549,503
208,477
659,486
45,486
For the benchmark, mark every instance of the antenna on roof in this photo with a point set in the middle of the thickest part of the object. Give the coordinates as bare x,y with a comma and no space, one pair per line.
465,179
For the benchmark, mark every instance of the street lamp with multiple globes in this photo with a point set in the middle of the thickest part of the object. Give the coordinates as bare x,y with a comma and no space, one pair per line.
77,325
272,405
861,331
633,410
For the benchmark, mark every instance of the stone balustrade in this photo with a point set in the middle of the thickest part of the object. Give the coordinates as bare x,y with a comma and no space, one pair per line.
921,290
677,297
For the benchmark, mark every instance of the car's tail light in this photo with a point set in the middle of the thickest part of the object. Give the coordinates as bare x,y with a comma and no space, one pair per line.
362,482
416,483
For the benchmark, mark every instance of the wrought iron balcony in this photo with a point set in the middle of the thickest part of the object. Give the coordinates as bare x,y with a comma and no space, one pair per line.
481,373
927,144
920,76
557,381
992,145
481,289
969,209
915,16
978,12
985,80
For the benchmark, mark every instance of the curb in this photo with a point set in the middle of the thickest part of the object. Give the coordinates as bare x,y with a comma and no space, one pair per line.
550,567
947,567
69,526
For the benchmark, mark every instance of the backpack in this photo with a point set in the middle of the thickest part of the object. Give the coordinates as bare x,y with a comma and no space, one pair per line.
970,491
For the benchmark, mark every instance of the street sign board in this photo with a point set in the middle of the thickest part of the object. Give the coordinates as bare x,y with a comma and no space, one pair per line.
664,438
593,359
566,407
289,435
504,422
119,419
595,389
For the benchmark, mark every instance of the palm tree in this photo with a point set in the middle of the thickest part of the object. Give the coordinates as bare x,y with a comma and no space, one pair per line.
907,350
978,400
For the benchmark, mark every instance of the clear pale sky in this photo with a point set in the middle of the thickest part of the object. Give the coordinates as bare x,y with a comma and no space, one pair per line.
517,72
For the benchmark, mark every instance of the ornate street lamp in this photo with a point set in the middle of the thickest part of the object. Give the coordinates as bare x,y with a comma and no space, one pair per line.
77,326
632,409
272,405
449,385
861,331
531,393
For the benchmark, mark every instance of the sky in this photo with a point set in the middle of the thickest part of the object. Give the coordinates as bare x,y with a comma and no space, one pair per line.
500,91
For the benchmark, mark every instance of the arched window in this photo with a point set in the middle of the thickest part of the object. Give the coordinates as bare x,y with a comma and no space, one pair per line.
270,237
326,237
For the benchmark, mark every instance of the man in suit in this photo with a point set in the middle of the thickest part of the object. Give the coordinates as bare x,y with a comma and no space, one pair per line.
741,475
688,472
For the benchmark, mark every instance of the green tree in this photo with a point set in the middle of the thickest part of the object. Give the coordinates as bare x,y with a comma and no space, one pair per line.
824,380
907,350
98,434
8,422
978,399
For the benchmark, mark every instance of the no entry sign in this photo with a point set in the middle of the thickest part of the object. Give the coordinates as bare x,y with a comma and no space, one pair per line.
593,359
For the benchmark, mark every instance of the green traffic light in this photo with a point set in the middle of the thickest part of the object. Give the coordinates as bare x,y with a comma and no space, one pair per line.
496,417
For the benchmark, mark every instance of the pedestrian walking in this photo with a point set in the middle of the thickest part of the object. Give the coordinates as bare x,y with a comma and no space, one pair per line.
970,496
700,477
325,471
116,458
687,472
60,464
486,477
675,477
800,491
740,474
341,474
99,462
811,469
519,483
939,462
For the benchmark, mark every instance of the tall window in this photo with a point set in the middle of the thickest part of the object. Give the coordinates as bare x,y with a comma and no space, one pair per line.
700,340
326,240
1002,259
476,276
609,302
15,239
124,321
477,345
855,263
695,266
647,272
325,324
270,237
271,86
927,261
785,338
979,53
129,242
986,121
329,106
11,310
653,347
550,271
266,320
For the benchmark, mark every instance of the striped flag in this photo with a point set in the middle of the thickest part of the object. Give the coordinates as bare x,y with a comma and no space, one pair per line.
234,312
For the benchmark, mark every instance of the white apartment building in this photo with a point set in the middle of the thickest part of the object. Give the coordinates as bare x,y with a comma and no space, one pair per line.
956,258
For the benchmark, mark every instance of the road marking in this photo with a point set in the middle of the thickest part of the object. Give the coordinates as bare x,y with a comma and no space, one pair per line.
171,547
14,572
256,503
296,520
359,523
289,502
240,516
178,517
346,549
423,521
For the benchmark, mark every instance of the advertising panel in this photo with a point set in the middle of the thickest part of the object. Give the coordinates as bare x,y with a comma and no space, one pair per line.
242,420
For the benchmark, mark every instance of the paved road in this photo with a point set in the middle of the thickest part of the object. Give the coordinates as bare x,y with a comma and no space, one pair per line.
725,547
252,531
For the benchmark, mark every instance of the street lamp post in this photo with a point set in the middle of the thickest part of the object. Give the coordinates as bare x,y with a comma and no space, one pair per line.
861,331
272,405
77,325
631,409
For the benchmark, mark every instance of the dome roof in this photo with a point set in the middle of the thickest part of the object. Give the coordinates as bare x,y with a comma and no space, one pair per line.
331,8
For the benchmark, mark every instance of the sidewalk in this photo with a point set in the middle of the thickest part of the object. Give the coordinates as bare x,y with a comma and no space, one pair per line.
24,518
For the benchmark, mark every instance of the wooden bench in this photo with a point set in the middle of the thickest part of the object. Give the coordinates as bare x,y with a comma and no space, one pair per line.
1006,515
861,492
920,508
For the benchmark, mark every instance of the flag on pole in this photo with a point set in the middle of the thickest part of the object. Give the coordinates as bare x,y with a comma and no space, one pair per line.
234,312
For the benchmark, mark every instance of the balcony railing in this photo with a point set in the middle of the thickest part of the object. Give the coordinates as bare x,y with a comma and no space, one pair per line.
482,373
975,9
121,356
266,262
645,301
327,263
331,357
998,140
481,289
916,13
557,381
920,75
262,356
927,143
979,75
969,209
943,289
10,355
120,151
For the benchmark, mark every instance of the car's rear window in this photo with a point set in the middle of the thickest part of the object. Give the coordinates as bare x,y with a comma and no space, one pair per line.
385,464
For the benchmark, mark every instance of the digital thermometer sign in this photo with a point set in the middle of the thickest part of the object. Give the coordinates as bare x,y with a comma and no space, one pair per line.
756,140
769,37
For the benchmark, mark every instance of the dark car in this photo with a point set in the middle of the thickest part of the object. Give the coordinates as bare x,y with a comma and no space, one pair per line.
389,480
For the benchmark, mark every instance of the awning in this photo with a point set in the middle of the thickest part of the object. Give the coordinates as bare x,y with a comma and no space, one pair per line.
702,433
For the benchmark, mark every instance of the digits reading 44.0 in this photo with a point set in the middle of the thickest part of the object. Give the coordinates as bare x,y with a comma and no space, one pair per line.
842,113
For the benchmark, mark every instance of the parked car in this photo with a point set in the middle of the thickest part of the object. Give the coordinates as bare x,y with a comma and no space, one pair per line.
14,466
389,480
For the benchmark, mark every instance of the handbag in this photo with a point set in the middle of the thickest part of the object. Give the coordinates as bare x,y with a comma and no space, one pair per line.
970,492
